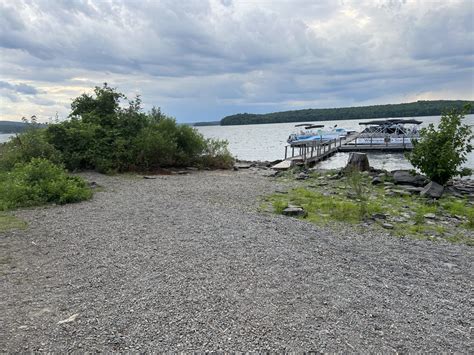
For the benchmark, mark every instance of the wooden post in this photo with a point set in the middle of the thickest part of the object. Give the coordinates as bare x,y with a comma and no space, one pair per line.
286,151
292,151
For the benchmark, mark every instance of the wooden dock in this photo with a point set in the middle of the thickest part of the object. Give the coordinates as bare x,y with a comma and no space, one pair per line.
312,152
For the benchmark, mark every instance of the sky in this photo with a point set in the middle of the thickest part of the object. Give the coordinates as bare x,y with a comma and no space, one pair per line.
205,59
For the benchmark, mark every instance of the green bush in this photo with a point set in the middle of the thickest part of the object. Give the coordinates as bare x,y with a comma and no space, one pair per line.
40,182
216,155
25,146
440,153
104,136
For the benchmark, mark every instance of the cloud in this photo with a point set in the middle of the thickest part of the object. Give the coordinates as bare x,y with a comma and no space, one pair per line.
201,60
19,88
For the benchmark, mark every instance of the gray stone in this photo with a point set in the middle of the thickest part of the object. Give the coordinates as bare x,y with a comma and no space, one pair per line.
401,192
243,166
379,216
413,190
302,176
404,177
387,226
429,215
376,181
433,190
294,211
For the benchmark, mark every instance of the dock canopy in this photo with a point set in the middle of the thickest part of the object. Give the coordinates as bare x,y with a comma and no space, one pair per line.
309,125
391,122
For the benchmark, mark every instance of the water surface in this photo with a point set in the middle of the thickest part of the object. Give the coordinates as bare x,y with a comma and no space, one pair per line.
267,142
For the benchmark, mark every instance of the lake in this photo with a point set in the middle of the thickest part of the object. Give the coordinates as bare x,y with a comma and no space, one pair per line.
5,136
267,142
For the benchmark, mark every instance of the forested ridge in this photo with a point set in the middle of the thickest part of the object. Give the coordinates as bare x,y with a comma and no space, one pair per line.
413,109
12,126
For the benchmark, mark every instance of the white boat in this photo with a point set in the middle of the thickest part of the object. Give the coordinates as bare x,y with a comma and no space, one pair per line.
311,132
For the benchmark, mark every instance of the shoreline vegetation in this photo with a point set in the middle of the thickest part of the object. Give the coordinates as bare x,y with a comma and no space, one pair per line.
412,109
106,133
378,200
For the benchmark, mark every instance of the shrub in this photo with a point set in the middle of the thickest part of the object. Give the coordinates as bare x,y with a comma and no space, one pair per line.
440,153
25,146
102,135
39,182
216,155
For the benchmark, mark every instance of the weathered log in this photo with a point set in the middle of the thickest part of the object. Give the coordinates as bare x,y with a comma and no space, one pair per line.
357,162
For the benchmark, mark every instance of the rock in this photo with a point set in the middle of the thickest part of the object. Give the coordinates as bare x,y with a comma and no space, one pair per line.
404,177
376,180
433,190
150,177
294,211
243,166
183,172
302,176
387,226
235,168
413,190
358,162
429,215
379,216
93,185
387,183
401,192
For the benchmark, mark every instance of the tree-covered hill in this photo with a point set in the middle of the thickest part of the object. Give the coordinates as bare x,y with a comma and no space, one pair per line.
413,109
12,126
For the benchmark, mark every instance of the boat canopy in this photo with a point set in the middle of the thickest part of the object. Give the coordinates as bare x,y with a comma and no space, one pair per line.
309,125
391,122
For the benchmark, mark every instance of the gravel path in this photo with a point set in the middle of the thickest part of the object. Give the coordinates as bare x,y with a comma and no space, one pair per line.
186,263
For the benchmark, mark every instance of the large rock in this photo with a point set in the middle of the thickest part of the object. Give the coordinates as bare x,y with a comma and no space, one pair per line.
433,190
358,162
405,177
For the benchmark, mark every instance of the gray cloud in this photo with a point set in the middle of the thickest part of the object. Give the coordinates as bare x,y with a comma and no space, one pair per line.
204,59
19,88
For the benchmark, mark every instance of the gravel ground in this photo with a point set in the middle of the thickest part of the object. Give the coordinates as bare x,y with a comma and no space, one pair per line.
187,263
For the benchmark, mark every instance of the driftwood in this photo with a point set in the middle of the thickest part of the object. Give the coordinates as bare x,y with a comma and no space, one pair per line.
357,162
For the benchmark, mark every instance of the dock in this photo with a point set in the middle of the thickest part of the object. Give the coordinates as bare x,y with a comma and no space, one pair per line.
312,152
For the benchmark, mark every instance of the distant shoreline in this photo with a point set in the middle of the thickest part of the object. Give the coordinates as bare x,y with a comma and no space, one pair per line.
412,109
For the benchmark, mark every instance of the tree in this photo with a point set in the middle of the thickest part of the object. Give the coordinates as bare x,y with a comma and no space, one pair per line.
440,153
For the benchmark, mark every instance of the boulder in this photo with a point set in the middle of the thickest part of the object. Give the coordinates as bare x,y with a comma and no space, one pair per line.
405,177
433,190
358,162
294,211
